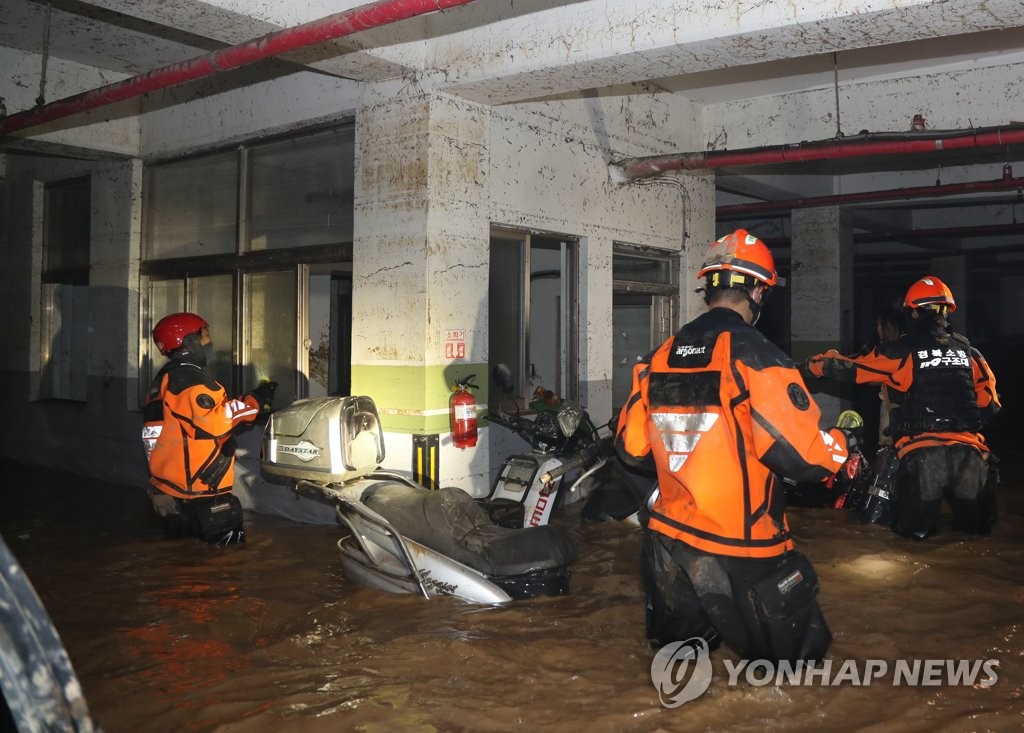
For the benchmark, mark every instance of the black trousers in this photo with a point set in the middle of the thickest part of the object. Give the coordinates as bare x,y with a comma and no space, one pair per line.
215,520
960,474
762,608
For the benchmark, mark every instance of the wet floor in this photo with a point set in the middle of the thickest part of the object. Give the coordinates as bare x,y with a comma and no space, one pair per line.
171,635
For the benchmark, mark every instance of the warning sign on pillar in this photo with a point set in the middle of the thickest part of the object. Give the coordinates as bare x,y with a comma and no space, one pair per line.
455,343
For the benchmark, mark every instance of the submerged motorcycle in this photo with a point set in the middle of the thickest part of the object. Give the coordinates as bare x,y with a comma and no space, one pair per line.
407,539
567,453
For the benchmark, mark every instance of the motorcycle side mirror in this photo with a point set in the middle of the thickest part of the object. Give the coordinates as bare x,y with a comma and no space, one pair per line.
502,376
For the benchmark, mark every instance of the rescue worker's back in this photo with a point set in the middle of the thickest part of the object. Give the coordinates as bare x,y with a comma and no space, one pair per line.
728,416
723,414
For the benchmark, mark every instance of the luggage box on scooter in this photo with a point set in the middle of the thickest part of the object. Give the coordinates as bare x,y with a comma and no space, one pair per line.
323,439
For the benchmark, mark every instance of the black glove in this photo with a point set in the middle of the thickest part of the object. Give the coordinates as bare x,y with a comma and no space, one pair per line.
264,395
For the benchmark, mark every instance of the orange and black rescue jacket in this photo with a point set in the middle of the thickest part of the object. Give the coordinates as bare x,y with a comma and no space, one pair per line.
187,431
725,414
945,390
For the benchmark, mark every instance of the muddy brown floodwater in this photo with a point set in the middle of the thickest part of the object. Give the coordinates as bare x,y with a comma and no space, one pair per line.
170,635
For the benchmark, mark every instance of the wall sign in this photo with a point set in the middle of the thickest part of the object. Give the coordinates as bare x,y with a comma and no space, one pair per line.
455,343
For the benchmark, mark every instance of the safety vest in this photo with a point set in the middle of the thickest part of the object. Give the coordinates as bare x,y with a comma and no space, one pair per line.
187,431
941,395
724,414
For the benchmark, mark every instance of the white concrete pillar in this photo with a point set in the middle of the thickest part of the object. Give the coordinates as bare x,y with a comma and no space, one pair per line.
821,293
420,266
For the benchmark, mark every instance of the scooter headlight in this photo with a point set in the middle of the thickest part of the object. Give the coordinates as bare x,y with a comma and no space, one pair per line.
569,418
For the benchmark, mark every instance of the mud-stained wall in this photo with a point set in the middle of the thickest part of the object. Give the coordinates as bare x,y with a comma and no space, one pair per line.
421,183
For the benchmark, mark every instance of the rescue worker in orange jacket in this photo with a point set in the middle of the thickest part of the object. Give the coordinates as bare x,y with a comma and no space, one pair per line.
189,434
725,417
946,394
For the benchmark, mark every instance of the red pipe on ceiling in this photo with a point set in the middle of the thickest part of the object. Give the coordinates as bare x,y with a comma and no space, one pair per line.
1007,182
330,28
631,169
906,235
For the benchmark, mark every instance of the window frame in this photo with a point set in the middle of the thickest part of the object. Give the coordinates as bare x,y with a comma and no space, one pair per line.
662,298
64,379
240,264
569,333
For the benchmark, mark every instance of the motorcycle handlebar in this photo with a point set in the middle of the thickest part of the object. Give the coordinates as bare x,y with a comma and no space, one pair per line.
516,424
583,459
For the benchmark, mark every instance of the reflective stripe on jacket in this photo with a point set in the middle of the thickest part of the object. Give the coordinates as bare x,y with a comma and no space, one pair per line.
724,414
187,431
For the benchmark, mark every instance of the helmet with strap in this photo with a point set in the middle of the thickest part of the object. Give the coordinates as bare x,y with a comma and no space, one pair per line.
170,331
929,292
739,259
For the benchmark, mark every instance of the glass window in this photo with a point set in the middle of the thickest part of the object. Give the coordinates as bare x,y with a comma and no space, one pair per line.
329,330
631,339
192,206
532,306
67,216
164,297
643,269
506,309
271,333
643,309
257,240
65,290
212,298
300,191
64,341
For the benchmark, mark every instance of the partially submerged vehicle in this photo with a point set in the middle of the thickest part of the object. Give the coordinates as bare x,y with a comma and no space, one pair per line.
404,538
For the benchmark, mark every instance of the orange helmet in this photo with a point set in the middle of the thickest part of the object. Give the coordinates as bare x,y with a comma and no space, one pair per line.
929,291
170,331
741,253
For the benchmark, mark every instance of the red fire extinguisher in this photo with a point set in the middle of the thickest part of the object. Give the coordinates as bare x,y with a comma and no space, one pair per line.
462,413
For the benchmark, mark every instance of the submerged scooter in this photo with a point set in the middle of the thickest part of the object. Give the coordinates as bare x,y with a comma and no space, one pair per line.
404,538
567,453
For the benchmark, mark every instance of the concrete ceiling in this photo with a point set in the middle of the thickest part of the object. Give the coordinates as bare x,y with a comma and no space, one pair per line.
508,51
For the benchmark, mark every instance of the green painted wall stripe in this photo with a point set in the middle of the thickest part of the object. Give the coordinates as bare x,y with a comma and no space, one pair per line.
404,393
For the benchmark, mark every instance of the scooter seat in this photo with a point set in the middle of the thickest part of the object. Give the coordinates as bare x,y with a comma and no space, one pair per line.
451,522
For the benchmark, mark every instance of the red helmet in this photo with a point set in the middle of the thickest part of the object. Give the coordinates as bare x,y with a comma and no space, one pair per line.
927,291
171,330
743,253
